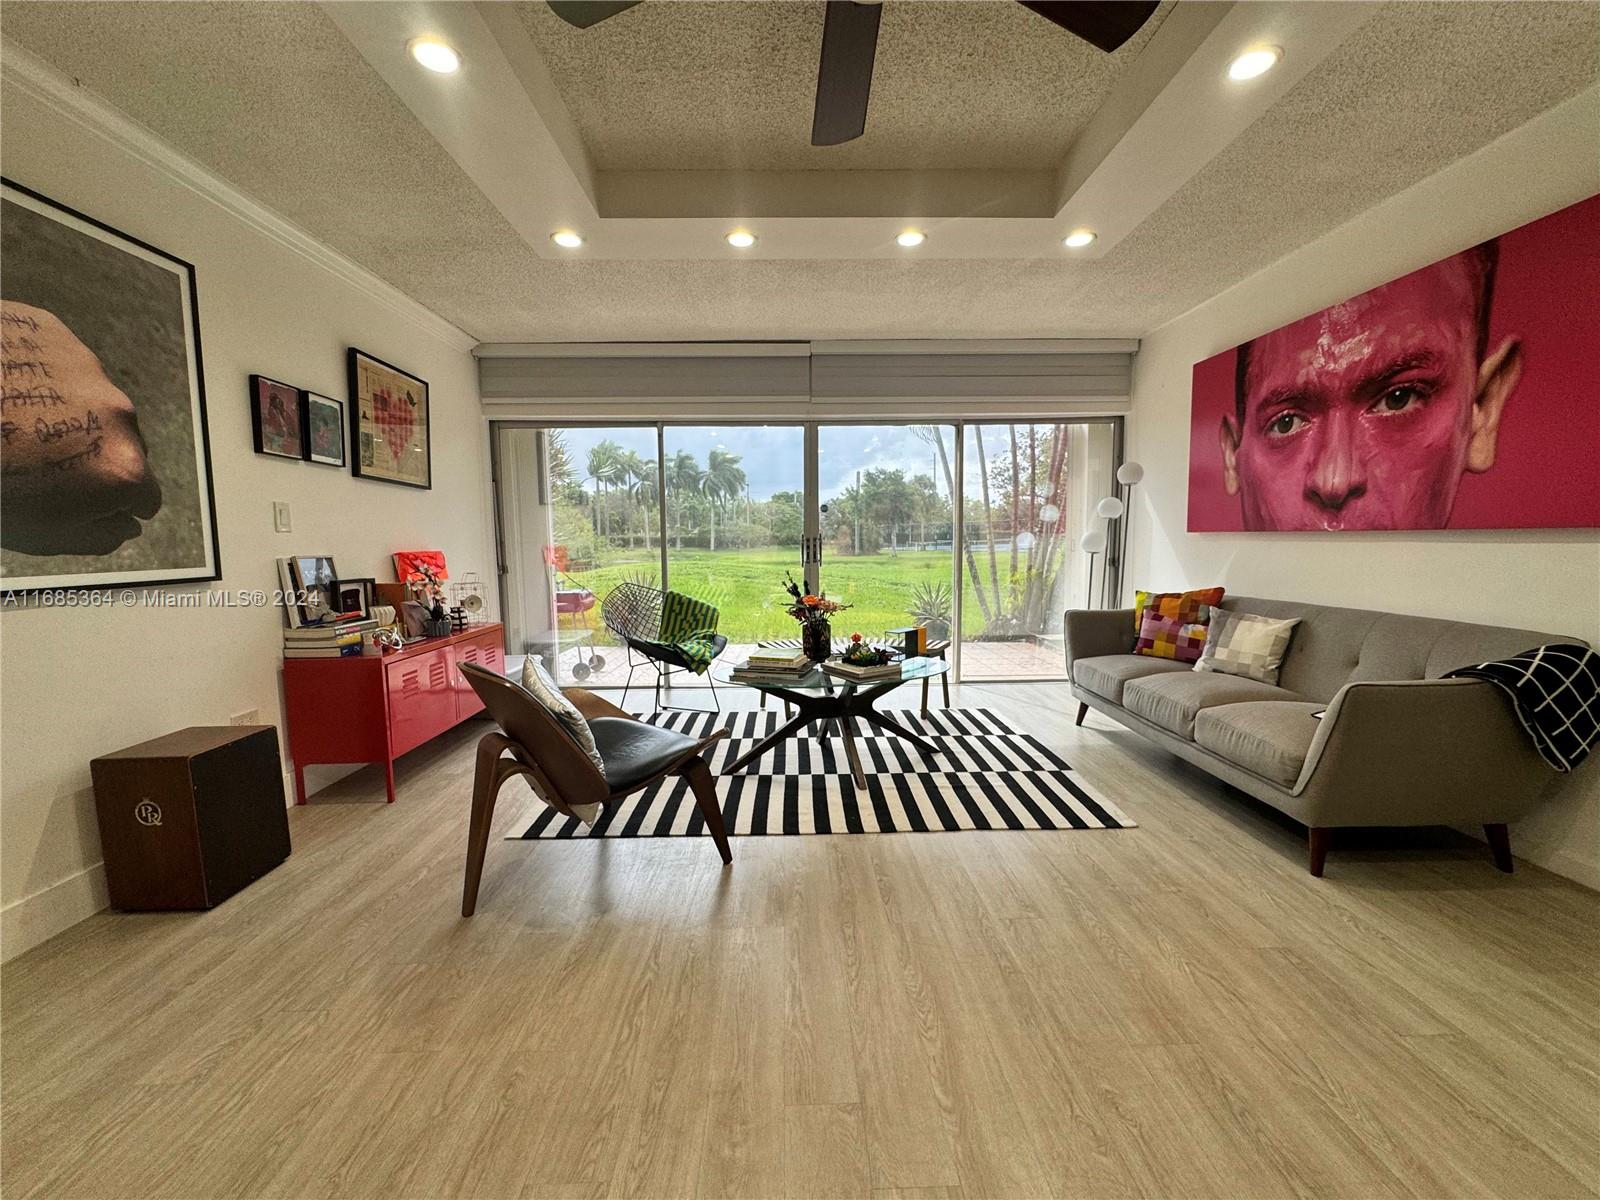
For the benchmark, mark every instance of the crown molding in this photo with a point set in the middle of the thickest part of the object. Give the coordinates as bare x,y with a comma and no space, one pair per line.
32,76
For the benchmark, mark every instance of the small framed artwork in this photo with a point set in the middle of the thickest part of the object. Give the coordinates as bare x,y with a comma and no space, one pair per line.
322,417
354,596
275,418
311,577
389,430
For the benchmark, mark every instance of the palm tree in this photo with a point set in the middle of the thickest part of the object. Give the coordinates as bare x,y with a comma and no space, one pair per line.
605,468
644,490
722,480
683,480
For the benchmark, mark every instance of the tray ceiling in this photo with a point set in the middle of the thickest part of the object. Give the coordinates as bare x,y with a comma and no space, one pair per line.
276,99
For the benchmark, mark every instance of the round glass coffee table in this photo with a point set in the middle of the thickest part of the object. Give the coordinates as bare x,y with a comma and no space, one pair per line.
837,704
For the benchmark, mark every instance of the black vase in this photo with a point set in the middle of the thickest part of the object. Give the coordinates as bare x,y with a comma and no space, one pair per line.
816,639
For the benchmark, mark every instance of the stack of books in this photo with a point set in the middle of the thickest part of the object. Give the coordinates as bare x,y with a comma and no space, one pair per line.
333,638
773,666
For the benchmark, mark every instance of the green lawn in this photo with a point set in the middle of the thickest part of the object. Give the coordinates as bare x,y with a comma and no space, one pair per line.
747,586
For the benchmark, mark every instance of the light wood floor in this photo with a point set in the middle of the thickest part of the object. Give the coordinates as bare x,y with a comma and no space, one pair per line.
1176,1010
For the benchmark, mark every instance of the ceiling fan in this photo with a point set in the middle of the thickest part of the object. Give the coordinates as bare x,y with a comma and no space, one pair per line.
850,44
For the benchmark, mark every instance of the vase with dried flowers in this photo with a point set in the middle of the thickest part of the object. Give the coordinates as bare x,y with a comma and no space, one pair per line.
812,611
428,589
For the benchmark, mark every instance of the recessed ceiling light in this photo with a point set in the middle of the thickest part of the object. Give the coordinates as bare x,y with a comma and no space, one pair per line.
1253,63
741,239
912,237
566,239
436,55
1078,239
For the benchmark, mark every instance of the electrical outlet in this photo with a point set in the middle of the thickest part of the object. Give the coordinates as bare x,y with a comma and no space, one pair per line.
248,717
280,517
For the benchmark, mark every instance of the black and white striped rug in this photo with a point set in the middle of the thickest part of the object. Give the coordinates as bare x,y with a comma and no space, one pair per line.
988,776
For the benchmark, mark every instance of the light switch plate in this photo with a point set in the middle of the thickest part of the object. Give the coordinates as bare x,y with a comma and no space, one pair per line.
280,517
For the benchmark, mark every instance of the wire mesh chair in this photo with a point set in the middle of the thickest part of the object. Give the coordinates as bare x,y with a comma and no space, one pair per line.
632,611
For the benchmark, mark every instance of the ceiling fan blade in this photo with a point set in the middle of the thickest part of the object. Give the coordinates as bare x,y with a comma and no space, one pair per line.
844,75
1103,23
584,13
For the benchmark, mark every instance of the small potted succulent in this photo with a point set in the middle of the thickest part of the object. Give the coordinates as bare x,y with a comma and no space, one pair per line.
859,654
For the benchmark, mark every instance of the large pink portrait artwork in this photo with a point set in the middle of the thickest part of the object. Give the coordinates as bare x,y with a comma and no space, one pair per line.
1465,395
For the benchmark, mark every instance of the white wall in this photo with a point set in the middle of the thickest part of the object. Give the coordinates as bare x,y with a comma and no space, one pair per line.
77,683
1548,580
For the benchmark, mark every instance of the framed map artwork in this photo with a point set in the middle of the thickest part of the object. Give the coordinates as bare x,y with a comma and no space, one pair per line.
389,423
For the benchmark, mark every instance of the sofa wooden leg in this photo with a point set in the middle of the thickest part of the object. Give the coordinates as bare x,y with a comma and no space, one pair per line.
1317,842
705,793
1499,845
1083,711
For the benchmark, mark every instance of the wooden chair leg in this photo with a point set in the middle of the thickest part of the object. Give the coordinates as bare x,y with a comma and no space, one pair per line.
486,783
1499,845
1083,711
705,795
1317,844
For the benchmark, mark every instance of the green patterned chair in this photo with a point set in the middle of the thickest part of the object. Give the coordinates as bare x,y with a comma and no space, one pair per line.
663,629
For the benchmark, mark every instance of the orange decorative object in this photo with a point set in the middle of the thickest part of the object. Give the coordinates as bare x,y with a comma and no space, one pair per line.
407,562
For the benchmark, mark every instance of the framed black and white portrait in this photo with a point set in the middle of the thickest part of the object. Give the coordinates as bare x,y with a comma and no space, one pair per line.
105,467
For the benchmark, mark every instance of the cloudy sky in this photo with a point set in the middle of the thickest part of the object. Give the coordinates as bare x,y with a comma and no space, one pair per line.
771,455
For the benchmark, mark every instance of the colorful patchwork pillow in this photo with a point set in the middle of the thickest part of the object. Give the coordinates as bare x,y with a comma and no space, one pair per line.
1168,637
1184,607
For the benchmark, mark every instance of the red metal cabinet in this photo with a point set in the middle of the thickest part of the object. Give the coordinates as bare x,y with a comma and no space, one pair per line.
487,653
374,707
422,698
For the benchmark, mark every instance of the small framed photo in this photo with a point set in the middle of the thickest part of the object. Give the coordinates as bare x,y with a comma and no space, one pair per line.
354,596
323,420
311,578
389,432
275,418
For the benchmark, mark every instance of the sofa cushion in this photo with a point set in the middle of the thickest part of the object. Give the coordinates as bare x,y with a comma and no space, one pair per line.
1168,637
1172,700
1105,676
1247,645
1269,737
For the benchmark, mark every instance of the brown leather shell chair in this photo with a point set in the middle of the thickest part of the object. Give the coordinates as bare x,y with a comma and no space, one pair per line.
532,742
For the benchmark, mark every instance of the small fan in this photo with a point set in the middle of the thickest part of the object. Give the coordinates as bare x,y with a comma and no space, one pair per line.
473,604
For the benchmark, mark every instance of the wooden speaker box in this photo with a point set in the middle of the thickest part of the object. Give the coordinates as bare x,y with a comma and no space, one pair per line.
188,819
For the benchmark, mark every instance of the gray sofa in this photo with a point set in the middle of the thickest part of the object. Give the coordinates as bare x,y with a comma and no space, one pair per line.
1398,746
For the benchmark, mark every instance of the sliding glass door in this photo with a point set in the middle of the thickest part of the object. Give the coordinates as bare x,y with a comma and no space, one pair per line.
972,529
887,522
1030,495
735,515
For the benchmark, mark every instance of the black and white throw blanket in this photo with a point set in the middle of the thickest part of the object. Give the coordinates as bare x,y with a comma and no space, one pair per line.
1555,690
988,776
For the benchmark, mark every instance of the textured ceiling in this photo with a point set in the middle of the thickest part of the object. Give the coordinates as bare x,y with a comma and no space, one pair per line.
730,84
271,97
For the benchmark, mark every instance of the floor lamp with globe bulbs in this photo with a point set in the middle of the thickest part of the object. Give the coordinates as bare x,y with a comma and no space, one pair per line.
1129,475
1091,543
1111,508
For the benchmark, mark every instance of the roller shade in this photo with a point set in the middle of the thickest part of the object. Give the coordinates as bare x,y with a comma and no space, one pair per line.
818,380
645,371
970,370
